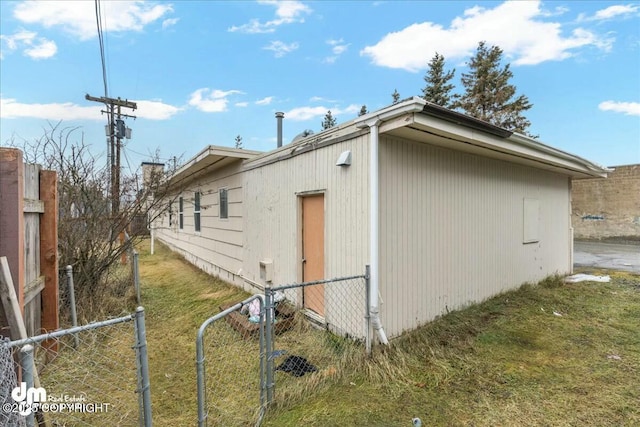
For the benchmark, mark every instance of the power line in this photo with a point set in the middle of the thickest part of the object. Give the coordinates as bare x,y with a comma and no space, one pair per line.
150,155
101,41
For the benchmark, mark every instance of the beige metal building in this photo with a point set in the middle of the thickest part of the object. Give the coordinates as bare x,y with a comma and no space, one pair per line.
448,210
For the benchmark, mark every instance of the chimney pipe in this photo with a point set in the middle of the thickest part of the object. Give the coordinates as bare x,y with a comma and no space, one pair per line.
279,117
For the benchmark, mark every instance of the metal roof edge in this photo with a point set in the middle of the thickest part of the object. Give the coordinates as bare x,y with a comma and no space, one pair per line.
589,167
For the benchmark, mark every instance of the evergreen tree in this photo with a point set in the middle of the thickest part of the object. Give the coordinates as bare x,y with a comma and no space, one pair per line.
329,121
488,94
238,141
437,88
396,96
363,110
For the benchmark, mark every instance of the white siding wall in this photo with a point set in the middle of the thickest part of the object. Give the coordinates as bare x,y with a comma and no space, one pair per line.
272,217
452,230
217,248
272,210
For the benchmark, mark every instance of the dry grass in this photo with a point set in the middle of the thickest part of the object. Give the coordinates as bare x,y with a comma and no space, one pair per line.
178,298
509,361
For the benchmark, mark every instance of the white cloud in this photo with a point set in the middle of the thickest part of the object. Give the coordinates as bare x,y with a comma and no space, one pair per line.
321,99
518,27
241,104
265,101
611,12
79,19
44,49
287,12
627,108
155,110
169,23
211,101
33,46
11,109
280,49
338,47
305,113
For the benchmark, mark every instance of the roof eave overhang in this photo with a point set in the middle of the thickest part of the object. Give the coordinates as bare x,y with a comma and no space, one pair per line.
449,129
210,159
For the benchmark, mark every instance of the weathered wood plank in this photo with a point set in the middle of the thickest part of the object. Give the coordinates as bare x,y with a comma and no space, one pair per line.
33,206
33,289
31,247
49,252
12,217
10,302
14,316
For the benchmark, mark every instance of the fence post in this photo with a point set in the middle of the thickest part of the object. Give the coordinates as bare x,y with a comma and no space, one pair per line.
143,371
200,376
367,316
268,333
136,275
263,353
26,363
72,302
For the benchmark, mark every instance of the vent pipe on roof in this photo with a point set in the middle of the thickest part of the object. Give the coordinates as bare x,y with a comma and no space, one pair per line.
279,117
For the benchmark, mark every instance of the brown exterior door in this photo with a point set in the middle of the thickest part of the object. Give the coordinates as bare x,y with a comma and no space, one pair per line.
313,251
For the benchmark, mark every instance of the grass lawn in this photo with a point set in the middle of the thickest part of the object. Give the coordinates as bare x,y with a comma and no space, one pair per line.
508,361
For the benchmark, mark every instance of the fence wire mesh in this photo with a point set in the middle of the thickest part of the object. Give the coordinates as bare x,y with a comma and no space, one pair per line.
230,367
320,330
90,376
8,381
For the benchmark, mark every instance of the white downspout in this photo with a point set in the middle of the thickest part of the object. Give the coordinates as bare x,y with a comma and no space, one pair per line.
374,227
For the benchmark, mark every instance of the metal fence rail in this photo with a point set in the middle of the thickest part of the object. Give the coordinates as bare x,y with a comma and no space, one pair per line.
86,375
283,347
313,331
230,361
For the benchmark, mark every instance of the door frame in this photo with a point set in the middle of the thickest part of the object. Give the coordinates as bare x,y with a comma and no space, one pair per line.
299,249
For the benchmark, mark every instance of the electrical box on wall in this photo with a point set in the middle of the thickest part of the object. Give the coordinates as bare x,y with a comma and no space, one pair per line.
266,270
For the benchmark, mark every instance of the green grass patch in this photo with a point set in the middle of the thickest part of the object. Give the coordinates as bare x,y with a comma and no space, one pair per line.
547,354
507,361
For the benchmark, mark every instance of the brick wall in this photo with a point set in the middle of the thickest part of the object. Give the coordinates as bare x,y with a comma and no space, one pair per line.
607,207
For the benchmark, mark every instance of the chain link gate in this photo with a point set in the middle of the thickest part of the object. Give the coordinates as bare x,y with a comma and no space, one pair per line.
313,332
78,376
229,361
236,348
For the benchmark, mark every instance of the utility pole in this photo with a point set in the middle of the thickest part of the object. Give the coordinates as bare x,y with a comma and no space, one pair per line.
116,133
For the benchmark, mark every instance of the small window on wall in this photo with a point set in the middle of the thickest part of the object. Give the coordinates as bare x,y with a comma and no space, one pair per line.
531,223
196,211
181,213
224,204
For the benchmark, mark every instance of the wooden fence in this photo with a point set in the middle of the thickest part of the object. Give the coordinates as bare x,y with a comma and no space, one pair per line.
29,240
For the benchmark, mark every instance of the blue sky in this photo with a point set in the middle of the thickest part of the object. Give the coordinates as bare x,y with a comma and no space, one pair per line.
204,72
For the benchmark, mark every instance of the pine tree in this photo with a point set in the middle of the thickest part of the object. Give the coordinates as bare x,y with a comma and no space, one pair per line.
488,94
238,141
396,96
437,88
363,110
329,121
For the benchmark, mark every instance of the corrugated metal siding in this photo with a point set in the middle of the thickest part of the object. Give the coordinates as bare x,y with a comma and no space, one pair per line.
452,230
217,248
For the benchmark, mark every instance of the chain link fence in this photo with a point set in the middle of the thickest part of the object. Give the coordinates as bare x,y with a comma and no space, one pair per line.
92,375
314,332
230,366
273,350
